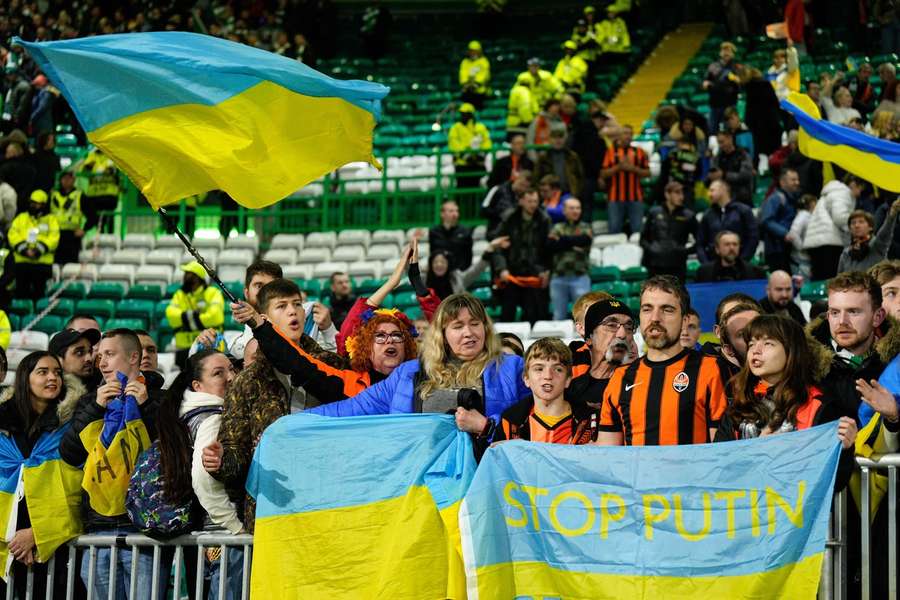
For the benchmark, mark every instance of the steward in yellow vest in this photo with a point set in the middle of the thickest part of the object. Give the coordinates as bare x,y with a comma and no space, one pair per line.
103,189
193,308
475,76
65,205
33,236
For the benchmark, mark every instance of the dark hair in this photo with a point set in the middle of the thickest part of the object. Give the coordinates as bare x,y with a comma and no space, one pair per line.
692,313
277,288
787,170
439,283
740,298
262,267
550,348
670,284
885,271
734,310
77,316
4,363
142,332
175,446
790,392
333,275
130,341
856,281
551,180
22,387
512,341
550,103
807,201
861,214
725,232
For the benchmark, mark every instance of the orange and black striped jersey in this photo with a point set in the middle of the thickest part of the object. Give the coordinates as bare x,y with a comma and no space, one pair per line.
672,402
625,186
521,422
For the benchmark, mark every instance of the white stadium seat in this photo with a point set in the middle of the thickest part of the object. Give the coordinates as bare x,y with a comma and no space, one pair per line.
561,329
383,252
623,256
239,256
163,256
348,253
282,256
243,241
287,240
479,233
321,239
144,241
169,241
154,274
232,272
129,256
382,236
324,270
208,243
119,273
364,269
314,255
297,271
86,272
359,237
210,255
610,239
104,240
523,330
28,340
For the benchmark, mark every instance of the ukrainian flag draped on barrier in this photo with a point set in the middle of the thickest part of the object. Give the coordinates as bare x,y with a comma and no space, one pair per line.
114,444
52,492
873,159
184,113
744,519
359,507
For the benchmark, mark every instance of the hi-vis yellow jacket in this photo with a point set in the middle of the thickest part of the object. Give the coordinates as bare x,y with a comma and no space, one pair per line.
28,232
189,314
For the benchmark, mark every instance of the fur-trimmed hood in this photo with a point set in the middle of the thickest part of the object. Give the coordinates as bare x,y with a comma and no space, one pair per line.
819,336
75,389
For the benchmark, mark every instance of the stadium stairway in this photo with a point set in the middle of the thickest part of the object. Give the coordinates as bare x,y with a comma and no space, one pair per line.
643,92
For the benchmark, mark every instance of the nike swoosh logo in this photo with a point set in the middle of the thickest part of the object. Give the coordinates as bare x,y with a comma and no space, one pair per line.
628,387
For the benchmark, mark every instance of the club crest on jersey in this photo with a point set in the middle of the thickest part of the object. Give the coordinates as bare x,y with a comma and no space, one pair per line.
681,382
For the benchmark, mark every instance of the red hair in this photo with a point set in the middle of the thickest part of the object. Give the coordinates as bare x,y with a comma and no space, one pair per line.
365,340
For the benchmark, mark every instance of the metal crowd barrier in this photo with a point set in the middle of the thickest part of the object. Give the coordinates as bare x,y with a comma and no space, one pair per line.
833,584
92,543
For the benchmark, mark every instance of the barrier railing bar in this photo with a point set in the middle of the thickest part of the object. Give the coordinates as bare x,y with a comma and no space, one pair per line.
892,533
201,568
70,572
840,524
223,571
154,583
245,576
176,576
29,585
866,541
132,582
51,576
92,571
113,568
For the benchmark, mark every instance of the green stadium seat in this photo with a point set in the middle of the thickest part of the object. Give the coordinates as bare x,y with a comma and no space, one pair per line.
236,288
608,273
313,287
136,309
402,300
367,286
162,326
98,307
414,312
21,306
634,274
145,291
103,290
65,307
231,324
13,321
75,290
50,324
172,288
634,288
483,294
813,290
619,289
126,324
634,304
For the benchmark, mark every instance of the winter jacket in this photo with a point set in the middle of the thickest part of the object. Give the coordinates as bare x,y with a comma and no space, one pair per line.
456,241
828,224
574,172
571,248
190,313
763,116
502,384
546,86
58,496
29,232
571,71
503,171
837,376
735,217
527,253
210,492
612,35
499,200
665,237
793,310
737,169
741,271
874,252
890,378
475,74
467,141
521,108
725,83
775,218
73,451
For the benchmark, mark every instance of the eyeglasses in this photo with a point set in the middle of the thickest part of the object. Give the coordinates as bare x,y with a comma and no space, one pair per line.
389,338
612,326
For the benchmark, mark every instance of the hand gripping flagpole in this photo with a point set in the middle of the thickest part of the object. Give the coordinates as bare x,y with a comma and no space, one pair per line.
173,224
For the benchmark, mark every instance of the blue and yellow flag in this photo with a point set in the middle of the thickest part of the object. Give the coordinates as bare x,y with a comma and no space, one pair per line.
52,492
744,519
864,155
114,445
360,507
184,113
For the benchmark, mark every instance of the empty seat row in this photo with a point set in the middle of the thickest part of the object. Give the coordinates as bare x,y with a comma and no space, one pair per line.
147,241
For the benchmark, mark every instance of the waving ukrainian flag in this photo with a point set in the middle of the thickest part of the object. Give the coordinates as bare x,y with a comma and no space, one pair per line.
52,492
367,505
873,159
184,113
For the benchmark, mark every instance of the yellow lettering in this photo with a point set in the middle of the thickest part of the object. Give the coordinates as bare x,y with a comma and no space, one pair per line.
774,501
650,517
707,519
730,498
605,516
588,507
507,495
533,492
754,513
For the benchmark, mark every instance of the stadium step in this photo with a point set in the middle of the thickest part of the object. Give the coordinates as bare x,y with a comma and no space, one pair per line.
643,92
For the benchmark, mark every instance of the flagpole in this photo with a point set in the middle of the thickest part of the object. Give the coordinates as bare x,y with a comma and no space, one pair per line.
170,221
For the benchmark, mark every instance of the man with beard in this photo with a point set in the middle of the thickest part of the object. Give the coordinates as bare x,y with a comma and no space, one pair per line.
75,352
729,266
609,332
195,306
779,298
672,395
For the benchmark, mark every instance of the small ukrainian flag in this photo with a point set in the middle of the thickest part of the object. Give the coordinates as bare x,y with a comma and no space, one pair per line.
183,113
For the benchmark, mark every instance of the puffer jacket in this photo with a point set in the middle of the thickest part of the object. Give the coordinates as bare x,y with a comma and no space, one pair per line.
828,223
502,384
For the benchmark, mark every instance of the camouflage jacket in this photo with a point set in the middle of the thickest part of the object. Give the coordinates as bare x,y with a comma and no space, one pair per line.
258,397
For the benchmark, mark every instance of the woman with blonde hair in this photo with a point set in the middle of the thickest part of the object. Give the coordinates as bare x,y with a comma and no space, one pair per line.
462,370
